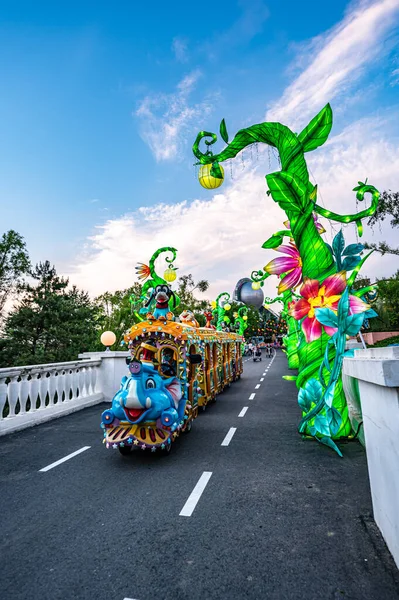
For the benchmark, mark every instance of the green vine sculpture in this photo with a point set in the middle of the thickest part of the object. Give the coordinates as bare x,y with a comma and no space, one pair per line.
144,271
292,190
219,311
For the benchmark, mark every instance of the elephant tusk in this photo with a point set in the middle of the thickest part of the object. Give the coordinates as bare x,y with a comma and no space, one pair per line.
148,402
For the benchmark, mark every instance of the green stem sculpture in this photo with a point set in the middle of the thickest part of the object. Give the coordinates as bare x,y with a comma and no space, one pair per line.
296,195
242,319
220,312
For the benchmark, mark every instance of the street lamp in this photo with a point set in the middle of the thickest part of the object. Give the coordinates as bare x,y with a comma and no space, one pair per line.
108,338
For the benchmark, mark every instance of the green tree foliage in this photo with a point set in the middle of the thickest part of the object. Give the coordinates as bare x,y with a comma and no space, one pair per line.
118,312
188,301
388,206
14,263
388,290
52,323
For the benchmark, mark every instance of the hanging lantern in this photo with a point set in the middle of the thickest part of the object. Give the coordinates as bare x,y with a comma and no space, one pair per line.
170,274
256,285
207,180
227,306
245,318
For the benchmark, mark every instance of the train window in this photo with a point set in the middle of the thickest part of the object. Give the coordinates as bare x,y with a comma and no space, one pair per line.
168,361
191,364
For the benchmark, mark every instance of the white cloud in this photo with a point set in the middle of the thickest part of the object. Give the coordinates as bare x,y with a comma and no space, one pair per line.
395,77
166,118
219,239
337,60
180,49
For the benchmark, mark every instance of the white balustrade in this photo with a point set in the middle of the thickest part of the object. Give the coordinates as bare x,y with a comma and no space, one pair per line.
38,393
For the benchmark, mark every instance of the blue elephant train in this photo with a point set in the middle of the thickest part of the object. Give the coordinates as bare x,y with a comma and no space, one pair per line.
175,370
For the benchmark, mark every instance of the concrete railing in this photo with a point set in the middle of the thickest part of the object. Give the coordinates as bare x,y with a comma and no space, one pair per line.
375,375
34,394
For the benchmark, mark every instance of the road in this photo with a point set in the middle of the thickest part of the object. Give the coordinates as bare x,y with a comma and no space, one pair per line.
271,516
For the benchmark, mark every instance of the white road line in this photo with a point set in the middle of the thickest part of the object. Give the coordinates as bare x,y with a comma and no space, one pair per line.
195,495
264,373
244,410
229,436
252,396
257,386
262,379
58,462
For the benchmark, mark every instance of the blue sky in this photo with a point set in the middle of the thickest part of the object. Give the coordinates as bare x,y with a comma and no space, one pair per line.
101,103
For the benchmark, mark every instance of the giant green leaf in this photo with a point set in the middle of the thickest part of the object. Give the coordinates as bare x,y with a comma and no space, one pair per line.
288,191
317,132
223,131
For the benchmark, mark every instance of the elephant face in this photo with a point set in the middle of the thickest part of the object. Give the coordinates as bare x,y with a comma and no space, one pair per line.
145,395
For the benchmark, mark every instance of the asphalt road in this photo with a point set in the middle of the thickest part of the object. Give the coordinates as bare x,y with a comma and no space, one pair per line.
278,518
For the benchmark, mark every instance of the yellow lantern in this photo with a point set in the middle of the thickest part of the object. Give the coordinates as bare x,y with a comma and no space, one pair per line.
207,180
108,338
170,274
227,306
245,318
256,285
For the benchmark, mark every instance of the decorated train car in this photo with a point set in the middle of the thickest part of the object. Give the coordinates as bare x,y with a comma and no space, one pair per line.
175,370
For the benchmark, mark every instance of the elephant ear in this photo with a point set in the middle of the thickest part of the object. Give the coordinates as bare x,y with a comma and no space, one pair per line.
174,389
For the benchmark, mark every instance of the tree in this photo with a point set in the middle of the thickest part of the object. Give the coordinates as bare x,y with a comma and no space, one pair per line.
388,290
185,291
118,311
14,263
388,206
51,323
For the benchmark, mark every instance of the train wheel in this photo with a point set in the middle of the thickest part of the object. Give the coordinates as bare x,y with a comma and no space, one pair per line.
125,450
167,449
188,427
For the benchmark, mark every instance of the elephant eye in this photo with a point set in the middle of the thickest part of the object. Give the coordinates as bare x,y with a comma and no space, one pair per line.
150,384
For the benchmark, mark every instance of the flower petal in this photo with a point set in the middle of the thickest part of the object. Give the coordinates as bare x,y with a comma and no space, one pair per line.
290,281
310,288
287,224
330,330
312,329
335,284
300,309
332,302
280,265
357,305
291,250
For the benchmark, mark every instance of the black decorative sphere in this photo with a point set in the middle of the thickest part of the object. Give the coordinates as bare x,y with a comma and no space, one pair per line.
244,293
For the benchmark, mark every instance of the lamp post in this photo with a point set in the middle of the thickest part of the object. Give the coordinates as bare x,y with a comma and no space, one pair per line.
108,338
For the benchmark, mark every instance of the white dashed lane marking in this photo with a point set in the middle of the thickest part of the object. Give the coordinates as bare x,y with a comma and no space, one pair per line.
244,410
58,462
257,386
252,396
196,494
229,436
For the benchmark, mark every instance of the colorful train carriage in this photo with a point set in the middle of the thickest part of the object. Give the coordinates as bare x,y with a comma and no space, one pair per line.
174,369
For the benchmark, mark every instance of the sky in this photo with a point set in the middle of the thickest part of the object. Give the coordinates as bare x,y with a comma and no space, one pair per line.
101,102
